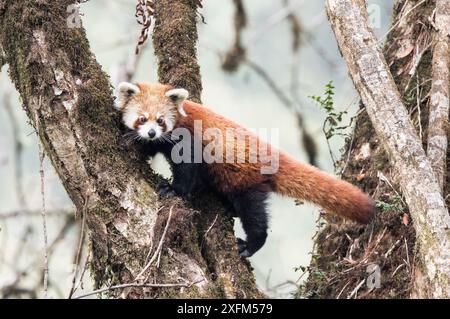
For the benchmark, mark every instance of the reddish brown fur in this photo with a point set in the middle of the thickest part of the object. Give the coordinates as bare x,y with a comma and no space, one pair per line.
306,182
293,179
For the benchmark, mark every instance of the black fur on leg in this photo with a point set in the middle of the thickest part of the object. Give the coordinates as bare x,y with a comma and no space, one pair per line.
184,173
165,190
250,205
184,177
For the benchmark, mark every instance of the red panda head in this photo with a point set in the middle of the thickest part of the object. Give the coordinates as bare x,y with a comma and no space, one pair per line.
151,110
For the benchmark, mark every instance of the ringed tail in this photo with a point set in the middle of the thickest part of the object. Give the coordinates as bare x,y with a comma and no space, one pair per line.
305,182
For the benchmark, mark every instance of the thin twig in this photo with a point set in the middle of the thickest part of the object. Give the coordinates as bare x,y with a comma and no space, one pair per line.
381,40
35,213
355,291
20,274
396,269
126,70
275,19
349,152
407,254
391,249
419,111
80,247
236,54
296,28
342,290
271,83
18,149
85,267
43,209
292,105
383,178
209,229
135,285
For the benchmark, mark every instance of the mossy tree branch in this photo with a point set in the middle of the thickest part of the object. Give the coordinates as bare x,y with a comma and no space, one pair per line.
175,38
68,97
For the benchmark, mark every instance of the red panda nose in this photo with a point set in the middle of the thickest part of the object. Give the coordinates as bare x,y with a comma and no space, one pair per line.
152,133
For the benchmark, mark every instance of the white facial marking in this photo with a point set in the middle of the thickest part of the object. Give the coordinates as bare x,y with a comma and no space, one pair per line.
130,117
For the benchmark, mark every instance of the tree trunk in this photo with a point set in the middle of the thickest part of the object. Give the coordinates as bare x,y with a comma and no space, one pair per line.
349,258
68,100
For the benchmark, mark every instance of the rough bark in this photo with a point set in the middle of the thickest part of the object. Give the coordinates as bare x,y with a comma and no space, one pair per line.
440,93
390,120
67,96
174,39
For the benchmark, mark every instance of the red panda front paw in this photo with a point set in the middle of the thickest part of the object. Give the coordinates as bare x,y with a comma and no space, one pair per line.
165,190
242,248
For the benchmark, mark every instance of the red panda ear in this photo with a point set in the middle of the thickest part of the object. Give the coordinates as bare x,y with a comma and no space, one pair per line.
178,96
126,90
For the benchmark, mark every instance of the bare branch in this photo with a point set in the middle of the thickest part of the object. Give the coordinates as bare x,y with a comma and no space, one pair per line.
18,148
35,213
296,28
80,247
237,52
275,19
134,285
403,16
43,209
355,291
209,229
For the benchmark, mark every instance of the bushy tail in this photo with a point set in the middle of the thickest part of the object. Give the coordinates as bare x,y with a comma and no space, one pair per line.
306,182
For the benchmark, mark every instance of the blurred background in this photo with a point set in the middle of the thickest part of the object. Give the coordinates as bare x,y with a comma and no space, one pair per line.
270,89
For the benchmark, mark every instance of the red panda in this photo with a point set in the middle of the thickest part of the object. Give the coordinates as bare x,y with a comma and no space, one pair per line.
154,112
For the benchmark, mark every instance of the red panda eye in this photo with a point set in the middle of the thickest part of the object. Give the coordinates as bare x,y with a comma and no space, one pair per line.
142,119
160,121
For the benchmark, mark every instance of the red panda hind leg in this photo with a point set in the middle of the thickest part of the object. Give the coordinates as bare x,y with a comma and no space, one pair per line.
250,206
